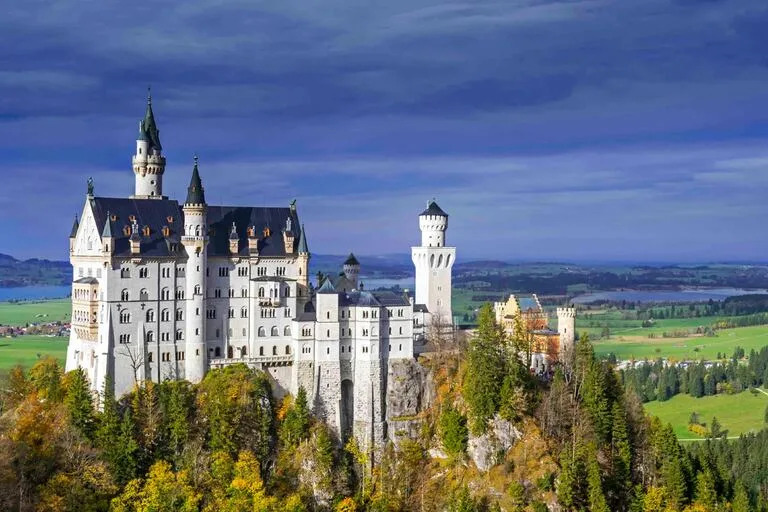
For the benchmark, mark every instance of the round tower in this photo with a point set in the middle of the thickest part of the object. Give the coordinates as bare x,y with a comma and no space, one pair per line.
433,262
148,161
195,240
433,223
566,326
352,269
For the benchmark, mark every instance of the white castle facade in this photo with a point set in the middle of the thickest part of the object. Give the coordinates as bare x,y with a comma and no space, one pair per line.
163,290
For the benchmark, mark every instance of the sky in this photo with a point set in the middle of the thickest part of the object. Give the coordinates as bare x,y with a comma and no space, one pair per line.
597,130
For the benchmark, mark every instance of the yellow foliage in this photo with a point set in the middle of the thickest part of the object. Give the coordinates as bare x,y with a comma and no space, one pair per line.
285,406
346,505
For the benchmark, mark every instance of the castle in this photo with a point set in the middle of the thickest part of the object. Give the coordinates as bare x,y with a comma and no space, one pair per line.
546,345
163,290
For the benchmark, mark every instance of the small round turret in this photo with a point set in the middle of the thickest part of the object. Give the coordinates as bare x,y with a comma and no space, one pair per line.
352,269
433,223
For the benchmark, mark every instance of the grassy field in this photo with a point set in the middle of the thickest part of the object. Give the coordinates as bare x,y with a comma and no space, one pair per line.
22,313
737,413
25,350
693,347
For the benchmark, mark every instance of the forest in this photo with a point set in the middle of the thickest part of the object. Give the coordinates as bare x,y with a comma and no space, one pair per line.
660,380
584,444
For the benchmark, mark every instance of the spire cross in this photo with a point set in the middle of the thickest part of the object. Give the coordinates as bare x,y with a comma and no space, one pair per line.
149,95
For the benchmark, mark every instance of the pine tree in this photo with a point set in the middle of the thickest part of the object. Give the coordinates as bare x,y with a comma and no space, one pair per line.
453,431
485,370
595,399
295,426
79,402
706,496
621,452
740,499
597,501
126,450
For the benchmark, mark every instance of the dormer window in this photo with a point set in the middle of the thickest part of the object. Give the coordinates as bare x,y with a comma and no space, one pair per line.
127,230
169,219
266,232
145,231
166,231
132,218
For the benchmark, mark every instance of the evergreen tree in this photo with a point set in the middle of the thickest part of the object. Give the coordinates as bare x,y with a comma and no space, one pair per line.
597,501
621,452
485,370
126,450
706,496
453,431
740,499
295,426
79,402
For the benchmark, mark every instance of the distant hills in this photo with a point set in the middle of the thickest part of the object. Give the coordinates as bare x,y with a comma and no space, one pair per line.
545,278
33,272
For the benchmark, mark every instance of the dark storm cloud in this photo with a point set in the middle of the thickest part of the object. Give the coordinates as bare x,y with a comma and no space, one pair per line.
382,103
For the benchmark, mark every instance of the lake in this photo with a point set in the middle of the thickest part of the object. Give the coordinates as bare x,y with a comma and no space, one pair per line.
34,292
687,295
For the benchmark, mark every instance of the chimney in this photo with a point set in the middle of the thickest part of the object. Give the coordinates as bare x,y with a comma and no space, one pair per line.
234,240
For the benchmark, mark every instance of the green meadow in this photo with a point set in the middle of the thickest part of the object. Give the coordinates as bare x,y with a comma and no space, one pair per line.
691,347
739,413
26,350
22,313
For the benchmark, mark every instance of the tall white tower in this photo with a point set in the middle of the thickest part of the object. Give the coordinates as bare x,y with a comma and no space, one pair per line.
195,240
148,162
566,326
433,262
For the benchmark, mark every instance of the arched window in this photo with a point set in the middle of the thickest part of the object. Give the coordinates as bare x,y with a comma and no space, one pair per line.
143,295
261,291
273,331
243,312
262,332
150,315
165,294
287,291
243,351
287,330
125,317
124,295
261,351
197,289
150,337
287,350
274,350
179,334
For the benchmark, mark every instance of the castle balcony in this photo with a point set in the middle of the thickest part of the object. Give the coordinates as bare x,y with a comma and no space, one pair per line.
253,362
269,302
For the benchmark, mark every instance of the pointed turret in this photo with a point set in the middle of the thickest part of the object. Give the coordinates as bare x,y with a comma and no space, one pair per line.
195,191
352,270
107,232
75,226
148,127
148,161
303,248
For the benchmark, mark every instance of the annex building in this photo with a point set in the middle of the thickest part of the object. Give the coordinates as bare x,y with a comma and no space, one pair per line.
165,289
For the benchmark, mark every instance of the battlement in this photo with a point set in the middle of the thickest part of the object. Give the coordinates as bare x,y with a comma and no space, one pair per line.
566,312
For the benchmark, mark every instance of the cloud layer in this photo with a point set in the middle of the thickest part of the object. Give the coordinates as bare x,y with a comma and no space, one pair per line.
592,129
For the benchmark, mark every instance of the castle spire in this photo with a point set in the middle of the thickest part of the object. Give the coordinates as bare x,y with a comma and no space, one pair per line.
148,127
75,225
107,232
195,191
303,249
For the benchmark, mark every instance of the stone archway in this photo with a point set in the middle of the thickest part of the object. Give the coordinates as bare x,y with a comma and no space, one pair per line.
347,407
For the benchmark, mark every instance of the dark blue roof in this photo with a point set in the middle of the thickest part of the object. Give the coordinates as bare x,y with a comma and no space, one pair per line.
433,209
155,213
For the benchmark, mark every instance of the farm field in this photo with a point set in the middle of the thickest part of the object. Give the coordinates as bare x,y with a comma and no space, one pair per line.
738,413
25,350
692,347
21,313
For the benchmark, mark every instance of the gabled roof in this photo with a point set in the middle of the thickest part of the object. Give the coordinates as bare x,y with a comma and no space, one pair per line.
327,287
87,280
220,219
358,298
433,209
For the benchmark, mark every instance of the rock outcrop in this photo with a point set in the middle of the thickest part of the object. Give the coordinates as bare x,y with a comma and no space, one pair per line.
489,449
410,390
